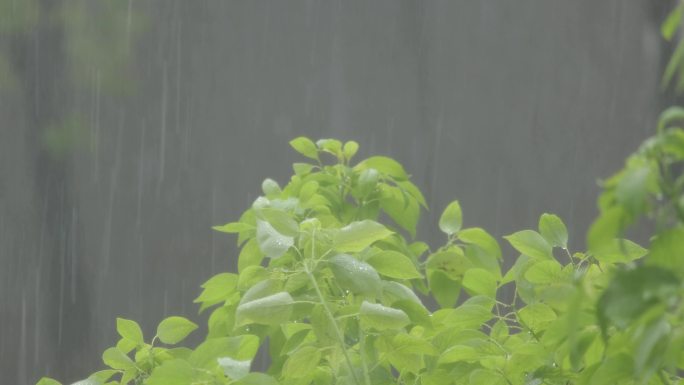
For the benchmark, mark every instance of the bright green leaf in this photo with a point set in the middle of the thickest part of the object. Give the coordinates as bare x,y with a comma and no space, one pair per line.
443,289
257,379
48,381
174,329
350,148
354,275
394,264
480,282
382,317
544,272
451,220
130,330
233,227
671,24
358,235
667,250
536,316
481,239
385,165
271,242
530,243
553,230
271,310
116,359
172,372
305,147
235,369
302,362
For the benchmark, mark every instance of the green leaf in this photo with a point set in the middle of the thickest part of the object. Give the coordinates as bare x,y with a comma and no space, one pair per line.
172,372
301,169
451,262
416,311
632,188
536,316
358,235
116,359
240,348
368,180
671,116
671,23
544,272
350,148
174,329
331,146
667,250
308,190
280,219
257,379
235,369
486,377
302,362
354,275
271,242
530,243
459,353
451,220
250,256
553,230
651,348
382,317
394,265
271,310
465,316
270,187
606,228
499,331
614,370
480,282
402,208
88,381
130,330
218,288
619,251
385,165
480,238
233,227
305,147
444,290
632,293
48,381
395,291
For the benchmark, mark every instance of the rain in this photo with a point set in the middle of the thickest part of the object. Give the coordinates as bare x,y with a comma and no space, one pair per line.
130,128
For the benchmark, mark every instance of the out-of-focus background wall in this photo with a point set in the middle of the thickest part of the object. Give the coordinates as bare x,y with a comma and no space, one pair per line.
129,128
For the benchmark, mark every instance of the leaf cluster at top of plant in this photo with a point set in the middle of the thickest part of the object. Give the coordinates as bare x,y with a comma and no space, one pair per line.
334,295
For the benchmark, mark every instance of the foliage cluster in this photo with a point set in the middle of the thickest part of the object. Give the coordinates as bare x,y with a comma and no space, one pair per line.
337,297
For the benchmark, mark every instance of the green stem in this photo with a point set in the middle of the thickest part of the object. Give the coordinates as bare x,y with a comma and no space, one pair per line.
362,353
331,318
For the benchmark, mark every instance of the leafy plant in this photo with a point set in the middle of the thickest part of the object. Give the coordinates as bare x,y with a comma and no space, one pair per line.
337,297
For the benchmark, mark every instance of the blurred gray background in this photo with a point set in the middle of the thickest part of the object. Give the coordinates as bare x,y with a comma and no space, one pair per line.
129,128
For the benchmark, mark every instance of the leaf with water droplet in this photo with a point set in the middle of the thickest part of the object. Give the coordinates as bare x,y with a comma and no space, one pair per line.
381,317
271,242
271,310
354,275
358,235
